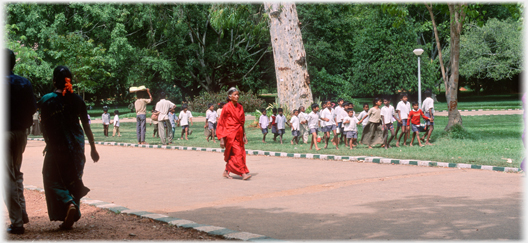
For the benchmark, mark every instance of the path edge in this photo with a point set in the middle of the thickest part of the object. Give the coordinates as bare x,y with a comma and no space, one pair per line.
180,223
371,159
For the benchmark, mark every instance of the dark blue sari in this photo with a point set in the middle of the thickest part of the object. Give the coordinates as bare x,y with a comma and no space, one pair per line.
64,161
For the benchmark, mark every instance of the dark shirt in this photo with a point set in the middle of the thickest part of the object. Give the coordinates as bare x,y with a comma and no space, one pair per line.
22,103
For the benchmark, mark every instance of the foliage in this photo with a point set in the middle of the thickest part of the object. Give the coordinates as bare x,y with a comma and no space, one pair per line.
458,132
354,50
181,49
248,99
492,52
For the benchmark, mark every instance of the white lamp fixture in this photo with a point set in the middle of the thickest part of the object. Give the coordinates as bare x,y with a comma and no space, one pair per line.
419,52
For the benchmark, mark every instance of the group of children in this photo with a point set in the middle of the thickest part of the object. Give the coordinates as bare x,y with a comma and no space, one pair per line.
339,123
107,121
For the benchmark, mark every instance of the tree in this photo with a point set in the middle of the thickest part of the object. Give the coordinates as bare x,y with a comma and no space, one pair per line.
291,69
491,53
450,75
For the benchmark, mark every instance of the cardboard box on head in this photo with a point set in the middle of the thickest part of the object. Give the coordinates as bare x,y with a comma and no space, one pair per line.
136,89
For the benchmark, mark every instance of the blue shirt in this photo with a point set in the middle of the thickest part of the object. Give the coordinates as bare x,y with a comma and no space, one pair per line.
173,119
22,103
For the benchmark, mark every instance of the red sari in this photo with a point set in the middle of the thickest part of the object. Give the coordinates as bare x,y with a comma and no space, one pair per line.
231,128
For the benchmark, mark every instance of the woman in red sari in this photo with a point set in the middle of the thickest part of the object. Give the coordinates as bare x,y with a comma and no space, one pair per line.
232,135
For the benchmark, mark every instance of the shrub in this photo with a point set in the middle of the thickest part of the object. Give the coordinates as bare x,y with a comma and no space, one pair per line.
249,101
458,132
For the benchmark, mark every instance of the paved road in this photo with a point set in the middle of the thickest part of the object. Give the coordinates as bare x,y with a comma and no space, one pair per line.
302,199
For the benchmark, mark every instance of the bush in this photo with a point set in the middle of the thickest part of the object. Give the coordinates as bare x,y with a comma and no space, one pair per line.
458,132
249,101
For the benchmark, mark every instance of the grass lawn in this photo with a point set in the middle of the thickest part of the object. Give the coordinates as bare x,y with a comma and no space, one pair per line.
468,102
496,137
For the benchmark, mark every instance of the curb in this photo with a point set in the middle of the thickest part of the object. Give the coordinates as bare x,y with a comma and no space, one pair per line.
378,160
483,110
183,223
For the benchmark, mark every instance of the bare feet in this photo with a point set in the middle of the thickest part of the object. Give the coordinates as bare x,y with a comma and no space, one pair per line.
428,143
409,145
370,147
226,175
292,142
245,176
317,149
398,144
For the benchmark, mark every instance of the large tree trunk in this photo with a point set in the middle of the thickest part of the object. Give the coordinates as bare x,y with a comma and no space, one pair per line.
293,81
458,14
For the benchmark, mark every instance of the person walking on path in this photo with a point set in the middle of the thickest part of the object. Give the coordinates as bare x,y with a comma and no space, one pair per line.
64,153
22,105
232,135
141,115
163,106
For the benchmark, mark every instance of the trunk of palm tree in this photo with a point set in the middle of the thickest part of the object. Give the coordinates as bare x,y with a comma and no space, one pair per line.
293,81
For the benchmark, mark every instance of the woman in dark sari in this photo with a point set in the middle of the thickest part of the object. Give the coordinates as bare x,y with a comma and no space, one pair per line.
64,153
232,135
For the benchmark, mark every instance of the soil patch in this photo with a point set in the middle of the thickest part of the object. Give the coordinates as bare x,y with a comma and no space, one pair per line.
98,224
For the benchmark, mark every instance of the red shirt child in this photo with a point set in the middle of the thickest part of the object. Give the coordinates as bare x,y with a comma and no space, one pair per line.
414,117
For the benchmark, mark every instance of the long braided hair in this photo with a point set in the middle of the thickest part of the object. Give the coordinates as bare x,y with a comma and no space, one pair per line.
62,79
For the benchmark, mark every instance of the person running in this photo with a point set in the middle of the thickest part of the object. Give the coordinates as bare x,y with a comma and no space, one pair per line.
232,135
64,153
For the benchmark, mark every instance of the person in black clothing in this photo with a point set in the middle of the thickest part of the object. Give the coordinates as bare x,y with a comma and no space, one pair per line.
22,106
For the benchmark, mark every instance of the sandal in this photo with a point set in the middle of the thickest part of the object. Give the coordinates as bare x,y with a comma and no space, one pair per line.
70,218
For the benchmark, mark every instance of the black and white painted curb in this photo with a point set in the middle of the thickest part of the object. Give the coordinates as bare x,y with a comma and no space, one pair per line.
483,110
183,223
378,160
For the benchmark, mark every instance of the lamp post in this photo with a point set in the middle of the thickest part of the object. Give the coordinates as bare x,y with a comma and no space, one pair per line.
419,52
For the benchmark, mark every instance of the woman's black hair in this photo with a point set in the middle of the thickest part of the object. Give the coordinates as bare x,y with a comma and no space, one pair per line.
116,112
375,100
60,73
230,92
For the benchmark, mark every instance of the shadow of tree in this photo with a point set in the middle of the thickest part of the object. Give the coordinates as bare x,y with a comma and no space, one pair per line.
424,217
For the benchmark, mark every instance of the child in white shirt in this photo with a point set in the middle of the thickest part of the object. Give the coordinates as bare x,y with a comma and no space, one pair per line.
184,118
263,124
387,112
106,120
403,108
116,124
313,124
210,121
350,127
294,121
281,120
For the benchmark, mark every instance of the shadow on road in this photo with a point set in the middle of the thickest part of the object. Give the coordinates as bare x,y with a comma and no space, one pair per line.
414,218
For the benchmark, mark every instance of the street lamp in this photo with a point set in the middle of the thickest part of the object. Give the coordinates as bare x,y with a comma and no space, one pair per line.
419,52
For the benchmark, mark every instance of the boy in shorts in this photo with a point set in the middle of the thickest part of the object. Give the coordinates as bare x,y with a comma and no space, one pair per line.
350,127
428,109
184,118
387,112
414,122
403,108
313,124
274,124
210,121
294,121
263,124
281,120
